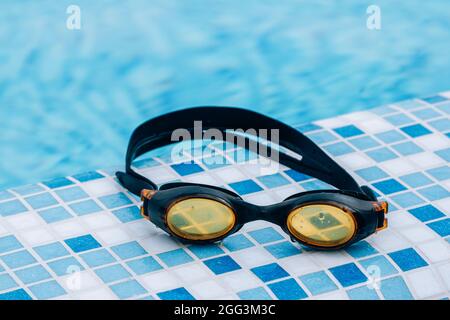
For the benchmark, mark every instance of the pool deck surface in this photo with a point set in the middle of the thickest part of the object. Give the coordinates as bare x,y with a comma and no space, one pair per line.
81,237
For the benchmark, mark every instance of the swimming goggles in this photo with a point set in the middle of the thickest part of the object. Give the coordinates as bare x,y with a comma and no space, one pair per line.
199,213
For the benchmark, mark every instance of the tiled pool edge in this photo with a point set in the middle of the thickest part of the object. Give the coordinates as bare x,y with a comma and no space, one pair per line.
401,149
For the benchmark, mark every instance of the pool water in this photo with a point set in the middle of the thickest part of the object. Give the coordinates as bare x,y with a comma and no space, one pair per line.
69,99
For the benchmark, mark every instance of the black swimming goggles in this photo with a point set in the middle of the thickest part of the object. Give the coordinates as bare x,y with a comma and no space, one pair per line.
199,213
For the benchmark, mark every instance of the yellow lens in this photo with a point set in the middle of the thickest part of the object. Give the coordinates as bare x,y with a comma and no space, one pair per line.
200,219
321,225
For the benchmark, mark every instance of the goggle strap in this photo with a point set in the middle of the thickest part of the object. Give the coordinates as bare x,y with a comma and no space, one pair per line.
157,132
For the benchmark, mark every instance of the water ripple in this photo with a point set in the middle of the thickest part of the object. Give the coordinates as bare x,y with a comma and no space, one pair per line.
69,99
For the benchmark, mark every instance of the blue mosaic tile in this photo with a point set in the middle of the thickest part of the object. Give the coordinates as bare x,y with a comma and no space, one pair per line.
316,185
222,264
444,154
381,154
128,214
426,213
287,290
18,259
237,242
363,293
129,250
115,200
206,250
145,163
440,173
258,293
128,289
307,127
338,149
176,294
28,189
348,131
399,119
372,173
175,257
41,200
166,156
392,207
51,251
82,243
6,282
265,235
361,249
47,290
384,266
364,143
322,137
144,265
407,148
435,99
97,258
54,214
85,207
5,195
389,186
245,187
19,294
184,169
65,266
297,176
215,162
282,249
87,176
435,192
112,273
426,114
407,199
390,136
200,149
407,259
415,130
269,272
410,104
395,289
416,179
58,183
383,110
318,282
348,274
242,155
32,274
445,107
442,125
9,243
273,180
9,208
441,227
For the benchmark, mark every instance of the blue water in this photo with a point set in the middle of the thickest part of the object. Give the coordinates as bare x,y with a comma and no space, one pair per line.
69,99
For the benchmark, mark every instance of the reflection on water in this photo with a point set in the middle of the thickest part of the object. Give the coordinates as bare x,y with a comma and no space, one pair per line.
69,99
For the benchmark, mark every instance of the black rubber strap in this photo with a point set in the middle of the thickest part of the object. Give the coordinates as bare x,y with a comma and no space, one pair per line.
157,132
